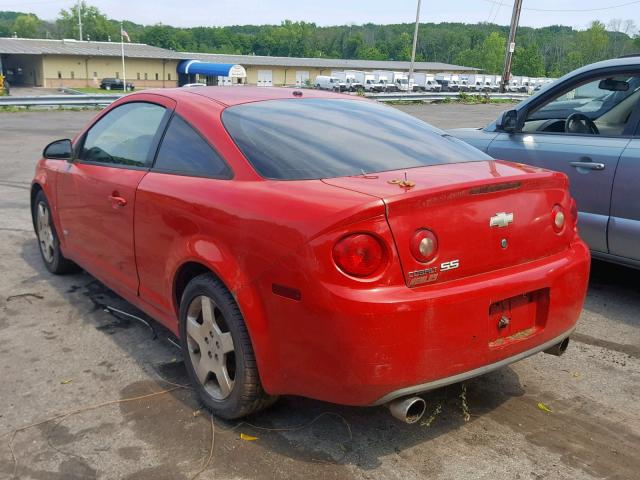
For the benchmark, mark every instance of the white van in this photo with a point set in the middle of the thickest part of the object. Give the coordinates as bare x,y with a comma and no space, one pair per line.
326,82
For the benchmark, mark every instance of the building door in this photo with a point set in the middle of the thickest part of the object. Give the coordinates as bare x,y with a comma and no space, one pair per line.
302,77
265,78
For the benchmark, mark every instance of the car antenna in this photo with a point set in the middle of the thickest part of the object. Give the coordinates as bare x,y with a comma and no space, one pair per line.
365,175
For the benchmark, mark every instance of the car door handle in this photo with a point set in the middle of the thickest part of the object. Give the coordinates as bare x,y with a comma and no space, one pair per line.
117,200
589,165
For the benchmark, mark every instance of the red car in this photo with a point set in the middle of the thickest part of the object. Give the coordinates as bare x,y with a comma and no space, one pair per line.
308,243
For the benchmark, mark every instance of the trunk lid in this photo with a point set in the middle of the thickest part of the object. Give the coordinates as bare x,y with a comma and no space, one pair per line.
460,203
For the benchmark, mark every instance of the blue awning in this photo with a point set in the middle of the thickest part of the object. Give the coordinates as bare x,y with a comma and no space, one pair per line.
213,69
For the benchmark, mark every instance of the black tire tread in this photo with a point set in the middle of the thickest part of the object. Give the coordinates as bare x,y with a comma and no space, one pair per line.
60,265
253,397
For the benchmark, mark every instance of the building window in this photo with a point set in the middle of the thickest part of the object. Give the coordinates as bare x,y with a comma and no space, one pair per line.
59,74
169,76
146,75
138,75
156,76
73,74
117,74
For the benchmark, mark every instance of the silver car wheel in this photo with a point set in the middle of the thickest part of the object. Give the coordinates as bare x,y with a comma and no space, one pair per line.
211,348
45,232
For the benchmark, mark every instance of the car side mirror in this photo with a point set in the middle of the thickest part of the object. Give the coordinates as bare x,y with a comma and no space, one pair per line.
508,121
58,150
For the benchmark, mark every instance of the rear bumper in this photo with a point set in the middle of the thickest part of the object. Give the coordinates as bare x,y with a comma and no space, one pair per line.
461,377
367,347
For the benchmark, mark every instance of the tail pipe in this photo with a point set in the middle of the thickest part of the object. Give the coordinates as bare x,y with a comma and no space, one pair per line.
559,348
407,409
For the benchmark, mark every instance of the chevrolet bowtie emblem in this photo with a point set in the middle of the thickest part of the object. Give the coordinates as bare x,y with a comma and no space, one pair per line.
501,219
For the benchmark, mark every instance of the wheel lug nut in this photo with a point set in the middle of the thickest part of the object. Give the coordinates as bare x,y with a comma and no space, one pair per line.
206,340
209,354
217,344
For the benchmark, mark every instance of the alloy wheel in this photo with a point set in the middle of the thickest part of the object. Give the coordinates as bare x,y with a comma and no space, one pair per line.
45,232
211,347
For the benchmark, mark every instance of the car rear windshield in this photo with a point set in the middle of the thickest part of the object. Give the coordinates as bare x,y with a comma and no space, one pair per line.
296,139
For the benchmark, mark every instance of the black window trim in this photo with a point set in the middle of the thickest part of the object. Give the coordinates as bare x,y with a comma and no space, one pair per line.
79,147
155,169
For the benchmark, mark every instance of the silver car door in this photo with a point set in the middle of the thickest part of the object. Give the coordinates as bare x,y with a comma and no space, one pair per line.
624,226
590,163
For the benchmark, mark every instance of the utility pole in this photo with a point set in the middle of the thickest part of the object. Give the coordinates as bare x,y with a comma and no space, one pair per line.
80,19
511,45
415,43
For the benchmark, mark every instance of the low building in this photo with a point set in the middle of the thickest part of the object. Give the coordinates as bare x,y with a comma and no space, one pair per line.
72,63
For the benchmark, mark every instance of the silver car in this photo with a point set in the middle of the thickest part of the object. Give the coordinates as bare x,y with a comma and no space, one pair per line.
587,125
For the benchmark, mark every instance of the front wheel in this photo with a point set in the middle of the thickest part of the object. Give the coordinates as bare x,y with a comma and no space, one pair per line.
48,240
217,350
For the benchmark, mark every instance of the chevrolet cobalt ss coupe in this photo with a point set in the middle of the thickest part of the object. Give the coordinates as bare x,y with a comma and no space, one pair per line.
300,242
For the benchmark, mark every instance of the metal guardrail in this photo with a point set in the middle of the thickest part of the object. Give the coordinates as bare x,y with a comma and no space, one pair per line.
105,99
439,96
55,100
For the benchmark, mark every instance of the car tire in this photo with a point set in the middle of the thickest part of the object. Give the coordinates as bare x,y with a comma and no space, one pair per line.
48,240
108,87
217,350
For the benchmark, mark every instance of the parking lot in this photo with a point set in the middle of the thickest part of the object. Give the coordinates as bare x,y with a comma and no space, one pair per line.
88,392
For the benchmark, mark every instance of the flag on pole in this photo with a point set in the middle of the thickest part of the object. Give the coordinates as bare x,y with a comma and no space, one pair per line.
124,34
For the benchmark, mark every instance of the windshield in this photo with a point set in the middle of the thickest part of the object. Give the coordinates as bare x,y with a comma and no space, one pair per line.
323,138
589,99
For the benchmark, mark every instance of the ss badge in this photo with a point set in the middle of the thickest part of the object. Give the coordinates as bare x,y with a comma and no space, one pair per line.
450,265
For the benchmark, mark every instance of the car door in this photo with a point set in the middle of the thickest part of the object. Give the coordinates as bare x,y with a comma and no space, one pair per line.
96,191
590,160
624,226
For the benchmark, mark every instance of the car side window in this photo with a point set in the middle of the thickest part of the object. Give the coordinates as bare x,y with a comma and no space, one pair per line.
602,106
124,136
185,152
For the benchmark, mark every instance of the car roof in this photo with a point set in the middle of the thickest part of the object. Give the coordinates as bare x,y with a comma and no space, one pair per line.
235,95
631,60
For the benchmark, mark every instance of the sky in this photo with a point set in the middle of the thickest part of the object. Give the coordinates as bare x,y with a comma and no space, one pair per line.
186,13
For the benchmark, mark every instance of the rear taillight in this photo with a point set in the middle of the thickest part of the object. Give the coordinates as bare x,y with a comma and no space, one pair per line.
424,245
574,212
360,255
558,218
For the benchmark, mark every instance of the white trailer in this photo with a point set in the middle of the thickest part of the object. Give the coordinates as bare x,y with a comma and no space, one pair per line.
348,80
357,77
448,81
371,83
424,82
385,78
401,81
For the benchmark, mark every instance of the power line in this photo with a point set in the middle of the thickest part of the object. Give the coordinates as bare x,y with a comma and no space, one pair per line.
566,10
498,7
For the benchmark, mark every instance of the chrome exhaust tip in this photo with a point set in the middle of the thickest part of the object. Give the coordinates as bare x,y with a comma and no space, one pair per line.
408,409
559,348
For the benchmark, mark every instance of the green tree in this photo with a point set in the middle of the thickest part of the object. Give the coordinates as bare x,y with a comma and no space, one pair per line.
95,24
26,26
591,44
489,56
528,61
